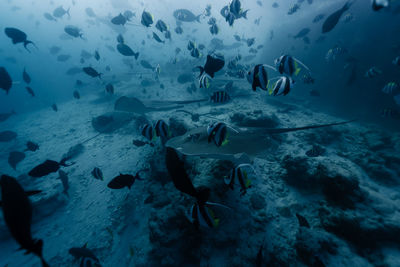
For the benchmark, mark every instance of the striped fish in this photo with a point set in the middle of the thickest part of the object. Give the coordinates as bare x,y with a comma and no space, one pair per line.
218,133
391,88
161,128
258,77
204,80
147,131
97,174
373,72
282,86
289,65
220,97
239,174
201,215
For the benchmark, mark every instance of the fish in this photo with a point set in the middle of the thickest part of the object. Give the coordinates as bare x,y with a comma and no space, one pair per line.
212,21
73,31
63,58
26,77
59,12
145,64
157,38
167,35
303,32
17,213
282,87
7,136
110,88
318,18
5,80
47,167
293,9
6,116
396,61
180,178
91,72
237,38
48,16
207,11
217,132
97,55
161,26
186,15
202,215
54,49
147,131
214,29
390,113
147,19
14,158
120,39
178,30
289,65
31,146
275,5
258,77
54,107
119,20
123,180
220,97
250,41
17,36
76,94
30,91
125,50
162,130
240,174
333,19
379,4
97,174
214,63
191,45
89,11
391,88
372,72
335,52
62,175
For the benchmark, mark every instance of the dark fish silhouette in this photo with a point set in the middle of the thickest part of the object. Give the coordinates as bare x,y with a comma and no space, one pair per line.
17,212
14,158
213,64
82,252
30,91
26,77
91,72
7,136
31,146
119,20
333,19
186,15
47,167
18,36
123,180
5,80
98,174
64,179
54,107
126,50
5,116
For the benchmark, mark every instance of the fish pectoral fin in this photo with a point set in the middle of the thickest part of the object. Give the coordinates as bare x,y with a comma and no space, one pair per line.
297,68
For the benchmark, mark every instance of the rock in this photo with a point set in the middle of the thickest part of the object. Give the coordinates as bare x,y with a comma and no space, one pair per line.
257,201
177,127
258,120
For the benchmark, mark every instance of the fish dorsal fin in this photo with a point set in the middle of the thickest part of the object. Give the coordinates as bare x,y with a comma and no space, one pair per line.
85,245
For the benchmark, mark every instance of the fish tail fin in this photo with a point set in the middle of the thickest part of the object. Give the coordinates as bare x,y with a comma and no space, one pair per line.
244,14
37,247
44,263
69,15
136,55
198,18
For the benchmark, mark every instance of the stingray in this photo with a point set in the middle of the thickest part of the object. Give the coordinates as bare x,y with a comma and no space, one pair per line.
110,122
242,145
132,104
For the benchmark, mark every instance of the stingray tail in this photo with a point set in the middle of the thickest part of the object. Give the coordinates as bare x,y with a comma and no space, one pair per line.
285,130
